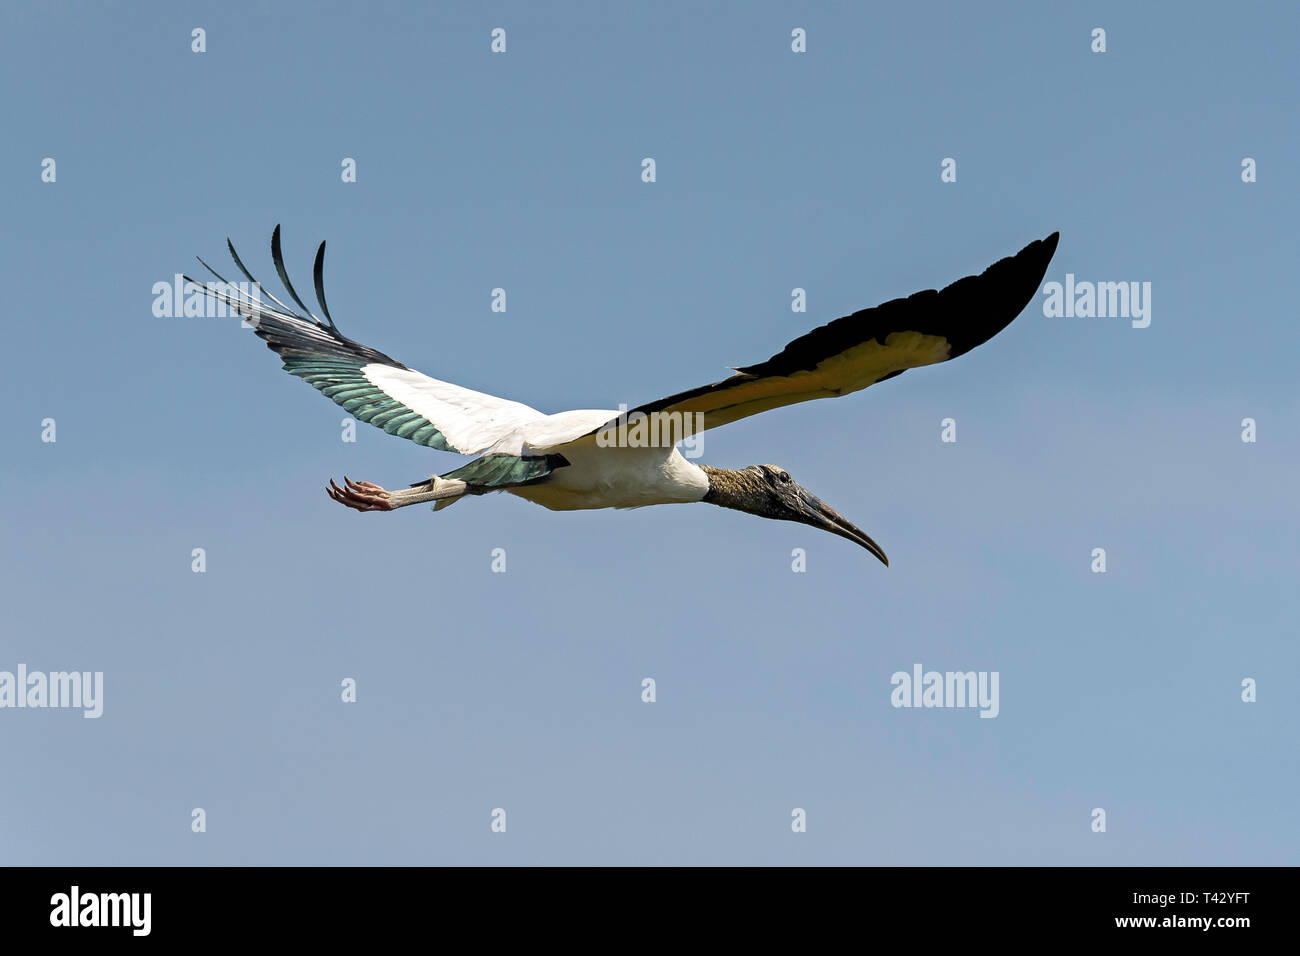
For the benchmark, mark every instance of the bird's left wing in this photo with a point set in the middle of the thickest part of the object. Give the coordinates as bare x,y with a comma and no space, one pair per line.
863,348
371,386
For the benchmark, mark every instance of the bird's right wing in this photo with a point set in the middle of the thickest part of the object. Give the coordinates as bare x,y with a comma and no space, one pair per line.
863,348
371,386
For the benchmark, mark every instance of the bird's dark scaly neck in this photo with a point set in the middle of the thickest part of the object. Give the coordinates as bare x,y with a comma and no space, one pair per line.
744,490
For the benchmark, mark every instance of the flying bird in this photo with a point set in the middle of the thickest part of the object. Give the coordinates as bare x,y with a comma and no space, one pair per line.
599,458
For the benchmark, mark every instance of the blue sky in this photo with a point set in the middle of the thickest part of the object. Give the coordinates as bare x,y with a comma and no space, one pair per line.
522,690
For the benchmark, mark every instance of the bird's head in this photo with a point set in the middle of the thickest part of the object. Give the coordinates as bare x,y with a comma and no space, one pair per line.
770,492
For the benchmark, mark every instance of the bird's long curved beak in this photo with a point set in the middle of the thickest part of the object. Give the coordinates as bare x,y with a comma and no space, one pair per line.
821,515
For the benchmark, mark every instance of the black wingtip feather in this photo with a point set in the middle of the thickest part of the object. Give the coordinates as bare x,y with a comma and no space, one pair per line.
318,276
219,276
967,313
277,257
239,263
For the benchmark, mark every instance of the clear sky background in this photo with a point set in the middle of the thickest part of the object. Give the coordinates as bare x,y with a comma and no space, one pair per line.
522,690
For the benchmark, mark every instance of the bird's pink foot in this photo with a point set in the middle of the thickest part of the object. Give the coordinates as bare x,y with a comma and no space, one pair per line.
361,495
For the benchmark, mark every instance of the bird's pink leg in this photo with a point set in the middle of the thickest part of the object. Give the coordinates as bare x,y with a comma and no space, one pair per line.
365,496
361,495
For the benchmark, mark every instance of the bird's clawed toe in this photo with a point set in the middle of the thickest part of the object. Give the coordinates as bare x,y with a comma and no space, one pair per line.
360,495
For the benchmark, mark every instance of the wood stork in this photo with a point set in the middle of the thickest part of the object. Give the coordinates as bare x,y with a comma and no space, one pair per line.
584,459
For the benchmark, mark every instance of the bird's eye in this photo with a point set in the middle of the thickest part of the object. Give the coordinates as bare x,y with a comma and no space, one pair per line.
783,477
